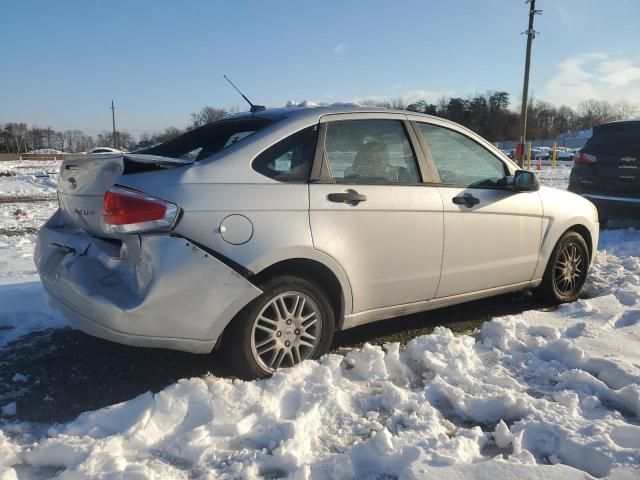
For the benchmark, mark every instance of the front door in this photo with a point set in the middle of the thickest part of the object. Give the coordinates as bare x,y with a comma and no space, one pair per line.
375,217
492,234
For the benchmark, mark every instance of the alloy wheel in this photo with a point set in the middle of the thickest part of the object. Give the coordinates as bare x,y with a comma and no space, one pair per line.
569,269
286,331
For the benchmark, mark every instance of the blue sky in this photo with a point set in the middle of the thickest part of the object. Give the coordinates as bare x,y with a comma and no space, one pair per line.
63,61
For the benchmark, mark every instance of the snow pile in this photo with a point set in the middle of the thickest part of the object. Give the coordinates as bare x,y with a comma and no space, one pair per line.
537,395
291,104
18,218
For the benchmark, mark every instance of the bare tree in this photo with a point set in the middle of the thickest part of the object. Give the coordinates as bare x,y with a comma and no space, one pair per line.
206,115
368,102
85,143
71,139
595,112
168,134
16,134
60,140
398,104
624,109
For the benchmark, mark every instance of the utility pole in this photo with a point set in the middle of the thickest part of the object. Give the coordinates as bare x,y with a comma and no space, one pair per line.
531,34
113,118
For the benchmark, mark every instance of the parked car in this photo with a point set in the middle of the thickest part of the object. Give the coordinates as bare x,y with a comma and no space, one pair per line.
540,153
262,234
104,150
566,154
607,170
509,153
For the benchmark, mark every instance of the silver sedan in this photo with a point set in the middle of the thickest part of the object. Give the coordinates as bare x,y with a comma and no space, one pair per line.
263,233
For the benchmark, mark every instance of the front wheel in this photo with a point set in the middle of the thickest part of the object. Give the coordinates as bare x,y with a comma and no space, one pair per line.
290,322
566,271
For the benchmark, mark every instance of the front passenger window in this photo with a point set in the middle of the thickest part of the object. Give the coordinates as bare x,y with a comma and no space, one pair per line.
460,160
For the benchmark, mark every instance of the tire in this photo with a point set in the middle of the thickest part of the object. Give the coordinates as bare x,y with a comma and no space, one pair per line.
566,271
277,329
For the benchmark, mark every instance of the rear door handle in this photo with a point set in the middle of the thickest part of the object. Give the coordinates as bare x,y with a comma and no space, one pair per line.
350,197
467,200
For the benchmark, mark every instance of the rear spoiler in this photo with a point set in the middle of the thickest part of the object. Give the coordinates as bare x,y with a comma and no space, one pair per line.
156,160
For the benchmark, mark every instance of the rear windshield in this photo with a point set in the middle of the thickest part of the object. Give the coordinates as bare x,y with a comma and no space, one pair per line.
618,141
208,139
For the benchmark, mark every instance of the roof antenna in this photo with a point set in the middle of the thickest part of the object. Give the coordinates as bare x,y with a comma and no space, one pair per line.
254,108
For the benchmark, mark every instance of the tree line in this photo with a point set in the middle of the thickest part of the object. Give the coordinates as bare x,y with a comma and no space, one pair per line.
488,114
21,138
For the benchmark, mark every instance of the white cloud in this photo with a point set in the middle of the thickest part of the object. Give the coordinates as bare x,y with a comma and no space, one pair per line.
594,75
340,48
620,72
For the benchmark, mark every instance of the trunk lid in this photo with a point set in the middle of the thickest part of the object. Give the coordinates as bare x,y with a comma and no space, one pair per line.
84,180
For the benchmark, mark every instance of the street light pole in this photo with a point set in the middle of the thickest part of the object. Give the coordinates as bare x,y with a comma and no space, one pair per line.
531,34
113,119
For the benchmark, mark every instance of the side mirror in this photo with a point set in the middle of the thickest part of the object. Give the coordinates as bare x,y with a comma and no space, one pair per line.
525,181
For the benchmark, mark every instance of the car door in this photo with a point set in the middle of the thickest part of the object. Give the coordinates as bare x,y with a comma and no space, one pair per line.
492,234
371,212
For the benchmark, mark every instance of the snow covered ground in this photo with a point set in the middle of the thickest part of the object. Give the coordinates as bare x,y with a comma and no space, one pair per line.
28,178
551,393
557,178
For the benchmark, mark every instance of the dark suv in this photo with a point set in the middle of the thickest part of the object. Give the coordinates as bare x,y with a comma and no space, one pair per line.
607,170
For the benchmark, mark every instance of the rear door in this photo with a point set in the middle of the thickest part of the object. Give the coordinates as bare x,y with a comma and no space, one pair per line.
616,148
371,212
492,235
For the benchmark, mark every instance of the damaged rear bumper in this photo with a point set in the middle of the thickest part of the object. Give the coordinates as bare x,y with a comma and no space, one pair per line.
149,291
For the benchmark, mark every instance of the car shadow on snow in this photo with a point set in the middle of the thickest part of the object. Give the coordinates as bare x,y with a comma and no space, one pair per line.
462,318
68,372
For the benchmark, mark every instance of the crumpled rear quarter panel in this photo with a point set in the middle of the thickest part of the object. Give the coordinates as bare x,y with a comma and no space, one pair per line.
156,287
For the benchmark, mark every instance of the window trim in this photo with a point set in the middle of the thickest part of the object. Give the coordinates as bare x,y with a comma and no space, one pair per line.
437,180
321,170
316,126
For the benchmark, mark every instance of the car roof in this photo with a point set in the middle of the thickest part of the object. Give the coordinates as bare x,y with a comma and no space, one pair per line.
631,122
314,113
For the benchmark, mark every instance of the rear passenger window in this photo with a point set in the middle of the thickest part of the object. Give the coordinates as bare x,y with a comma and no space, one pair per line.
460,160
370,151
290,159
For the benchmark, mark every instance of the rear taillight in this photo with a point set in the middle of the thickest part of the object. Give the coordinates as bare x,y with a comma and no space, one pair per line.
584,158
127,211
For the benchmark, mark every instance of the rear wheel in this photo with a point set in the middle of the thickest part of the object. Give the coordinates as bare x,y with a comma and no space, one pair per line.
566,271
290,322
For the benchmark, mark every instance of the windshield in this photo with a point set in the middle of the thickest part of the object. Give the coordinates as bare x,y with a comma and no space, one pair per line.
208,139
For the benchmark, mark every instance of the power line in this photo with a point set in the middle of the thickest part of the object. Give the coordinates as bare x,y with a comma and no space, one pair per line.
531,34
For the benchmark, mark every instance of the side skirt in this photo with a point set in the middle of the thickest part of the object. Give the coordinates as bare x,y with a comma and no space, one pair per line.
368,316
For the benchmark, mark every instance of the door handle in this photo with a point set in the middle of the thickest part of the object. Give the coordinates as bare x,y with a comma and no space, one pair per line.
467,200
350,197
